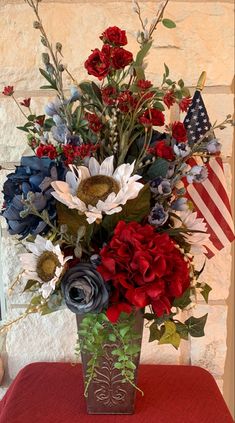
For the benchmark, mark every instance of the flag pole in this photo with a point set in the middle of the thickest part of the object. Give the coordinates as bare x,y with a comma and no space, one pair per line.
201,81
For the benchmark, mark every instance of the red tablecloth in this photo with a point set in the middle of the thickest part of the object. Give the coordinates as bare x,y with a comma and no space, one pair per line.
53,393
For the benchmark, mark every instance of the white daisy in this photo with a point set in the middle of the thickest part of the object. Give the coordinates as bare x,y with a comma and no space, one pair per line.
45,264
197,240
98,189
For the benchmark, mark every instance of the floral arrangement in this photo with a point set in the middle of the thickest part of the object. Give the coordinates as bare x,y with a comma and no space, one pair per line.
100,205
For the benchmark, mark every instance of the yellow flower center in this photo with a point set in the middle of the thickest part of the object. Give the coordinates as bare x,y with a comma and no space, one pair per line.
96,188
46,266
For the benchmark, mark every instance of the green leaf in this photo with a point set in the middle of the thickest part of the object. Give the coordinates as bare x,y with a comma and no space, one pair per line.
159,106
22,128
170,335
181,83
97,91
196,325
135,210
149,316
71,218
118,366
166,70
169,82
123,331
183,301
182,330
158,168
29,284
186,92
168,23
48,78
142,53
206,289
197,273
155,332
130,365
112,337
46,87
133,349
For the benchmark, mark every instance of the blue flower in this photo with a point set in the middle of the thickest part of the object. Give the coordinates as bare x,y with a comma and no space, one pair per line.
33,175
158,215
197,174
161,186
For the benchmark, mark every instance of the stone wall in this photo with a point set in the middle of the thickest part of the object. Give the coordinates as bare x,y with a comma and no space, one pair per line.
203,40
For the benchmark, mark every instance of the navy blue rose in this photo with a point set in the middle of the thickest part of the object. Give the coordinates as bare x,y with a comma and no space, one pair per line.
33,175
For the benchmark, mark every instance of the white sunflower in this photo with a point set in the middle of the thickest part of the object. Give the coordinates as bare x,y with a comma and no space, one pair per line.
197,240
98,189
45,264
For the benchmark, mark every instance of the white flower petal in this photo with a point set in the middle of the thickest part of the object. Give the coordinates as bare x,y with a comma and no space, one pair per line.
83,172
72,181
61,186
106,167
94,166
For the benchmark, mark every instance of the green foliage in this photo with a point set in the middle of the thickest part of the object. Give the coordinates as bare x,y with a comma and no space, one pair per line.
205,290
170,335
158,168
50,79
184,300
196,326
168,23
95,330
133,210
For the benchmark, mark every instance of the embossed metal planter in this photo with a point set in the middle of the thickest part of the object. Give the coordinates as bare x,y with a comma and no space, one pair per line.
107,394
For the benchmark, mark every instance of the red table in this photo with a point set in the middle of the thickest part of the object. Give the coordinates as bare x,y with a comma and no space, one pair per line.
53,393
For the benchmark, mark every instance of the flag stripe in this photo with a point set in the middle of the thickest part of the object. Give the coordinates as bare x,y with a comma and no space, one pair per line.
216,167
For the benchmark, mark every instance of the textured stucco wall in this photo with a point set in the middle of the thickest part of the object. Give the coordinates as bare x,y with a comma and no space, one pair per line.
203,40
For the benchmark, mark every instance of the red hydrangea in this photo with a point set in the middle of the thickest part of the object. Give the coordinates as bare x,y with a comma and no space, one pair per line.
120,58
109,95
98,63
144,268
94,122
152,117
179,132
169,98
72,152
46,150
184,104
115,36
8,91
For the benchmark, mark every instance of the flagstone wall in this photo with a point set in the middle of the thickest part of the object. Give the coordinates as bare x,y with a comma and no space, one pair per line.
203,40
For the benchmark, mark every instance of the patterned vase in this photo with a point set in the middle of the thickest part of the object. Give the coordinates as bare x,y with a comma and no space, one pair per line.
107,393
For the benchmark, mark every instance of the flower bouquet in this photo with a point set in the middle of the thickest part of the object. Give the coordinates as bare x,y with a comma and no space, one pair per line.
101,207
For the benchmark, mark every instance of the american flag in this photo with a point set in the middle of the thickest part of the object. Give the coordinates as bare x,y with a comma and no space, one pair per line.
210,197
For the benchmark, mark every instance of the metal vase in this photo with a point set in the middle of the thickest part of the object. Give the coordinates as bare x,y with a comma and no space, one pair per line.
107,393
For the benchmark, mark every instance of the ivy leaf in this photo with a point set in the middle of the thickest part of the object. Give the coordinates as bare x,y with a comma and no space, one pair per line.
206,289
183,301
158,168
135,210
155,332
196,325
182,330
170,335
168,23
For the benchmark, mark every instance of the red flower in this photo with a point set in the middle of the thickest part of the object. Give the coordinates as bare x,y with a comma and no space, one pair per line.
94,122
169,99
126,101
109,94
121,57
40,120
26,102
143,84
46,150
179,132
163,150
98,63
8,91
152,117
184,104
115,36
71,152
143,267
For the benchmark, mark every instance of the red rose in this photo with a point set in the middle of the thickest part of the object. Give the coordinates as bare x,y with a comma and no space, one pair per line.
179,132
143,268
143,84
26,102
109,94
169,99
114,36
46,150
152,117
184,104
98,63
94,122
163,150
121,57
72,152
8,91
